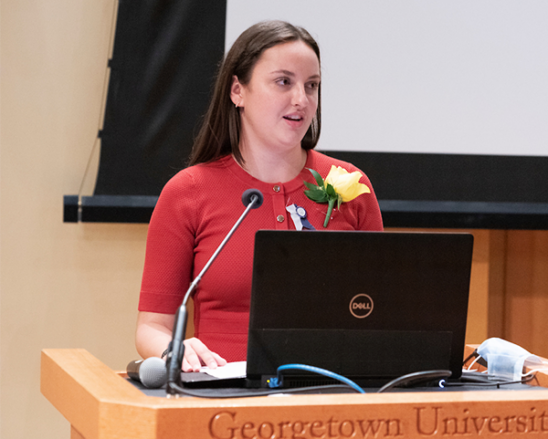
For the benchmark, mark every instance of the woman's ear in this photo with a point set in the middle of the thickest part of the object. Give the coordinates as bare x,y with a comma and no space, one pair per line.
236,92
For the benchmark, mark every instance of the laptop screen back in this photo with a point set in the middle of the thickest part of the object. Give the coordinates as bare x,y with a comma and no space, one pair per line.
370,306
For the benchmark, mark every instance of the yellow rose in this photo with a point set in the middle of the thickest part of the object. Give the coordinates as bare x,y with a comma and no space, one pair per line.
345,183
339,186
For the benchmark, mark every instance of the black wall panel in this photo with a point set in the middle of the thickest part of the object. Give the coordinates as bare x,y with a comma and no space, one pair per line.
166,53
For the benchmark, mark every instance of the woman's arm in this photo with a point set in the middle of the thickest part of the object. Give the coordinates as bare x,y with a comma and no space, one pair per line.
154,332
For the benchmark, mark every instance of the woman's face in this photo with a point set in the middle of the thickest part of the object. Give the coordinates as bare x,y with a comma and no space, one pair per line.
280,101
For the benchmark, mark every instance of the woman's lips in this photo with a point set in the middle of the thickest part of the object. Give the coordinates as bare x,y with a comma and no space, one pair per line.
294,119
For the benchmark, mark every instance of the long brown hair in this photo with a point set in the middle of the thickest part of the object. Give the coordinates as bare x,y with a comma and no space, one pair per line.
220,132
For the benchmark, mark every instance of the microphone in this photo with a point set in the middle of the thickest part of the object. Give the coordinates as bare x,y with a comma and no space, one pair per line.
248,197
151,373
252,199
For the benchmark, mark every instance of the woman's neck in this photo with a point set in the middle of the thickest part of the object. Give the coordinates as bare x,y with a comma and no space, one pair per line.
274,166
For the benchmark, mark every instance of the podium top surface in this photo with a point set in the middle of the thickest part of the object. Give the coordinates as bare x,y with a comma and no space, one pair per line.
100,403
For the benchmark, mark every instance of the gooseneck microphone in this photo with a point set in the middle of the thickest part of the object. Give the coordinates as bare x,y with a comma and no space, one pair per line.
252,199
254,196
151,373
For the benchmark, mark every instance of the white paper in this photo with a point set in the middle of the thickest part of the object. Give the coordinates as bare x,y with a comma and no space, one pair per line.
231,370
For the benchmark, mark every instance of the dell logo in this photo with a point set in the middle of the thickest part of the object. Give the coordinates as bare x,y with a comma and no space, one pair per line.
361,306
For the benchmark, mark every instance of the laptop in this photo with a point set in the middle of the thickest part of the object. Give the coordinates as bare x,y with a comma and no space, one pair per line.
371,306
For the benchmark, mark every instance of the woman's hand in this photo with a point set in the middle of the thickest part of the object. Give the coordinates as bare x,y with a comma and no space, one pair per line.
197,353
154,334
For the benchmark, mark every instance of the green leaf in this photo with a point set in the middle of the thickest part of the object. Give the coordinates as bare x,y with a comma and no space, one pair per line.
317,177
317,195
311,186
331,193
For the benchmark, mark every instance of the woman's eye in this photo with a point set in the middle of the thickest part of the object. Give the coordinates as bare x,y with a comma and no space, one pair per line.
313,85
283,81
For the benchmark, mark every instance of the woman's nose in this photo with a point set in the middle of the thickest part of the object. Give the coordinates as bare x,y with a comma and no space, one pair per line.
300,97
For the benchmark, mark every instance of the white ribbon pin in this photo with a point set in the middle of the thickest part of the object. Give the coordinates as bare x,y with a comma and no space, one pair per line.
298,215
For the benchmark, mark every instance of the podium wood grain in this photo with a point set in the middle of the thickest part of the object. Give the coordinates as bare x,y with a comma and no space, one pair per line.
99,403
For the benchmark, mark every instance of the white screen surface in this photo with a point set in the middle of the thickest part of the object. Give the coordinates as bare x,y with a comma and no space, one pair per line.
428,76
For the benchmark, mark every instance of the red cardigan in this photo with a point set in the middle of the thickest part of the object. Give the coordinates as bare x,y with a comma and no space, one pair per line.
196,210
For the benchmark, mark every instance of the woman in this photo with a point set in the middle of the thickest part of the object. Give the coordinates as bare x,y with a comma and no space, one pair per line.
260,130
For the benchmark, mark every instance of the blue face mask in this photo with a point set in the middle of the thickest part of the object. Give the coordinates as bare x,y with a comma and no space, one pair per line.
505,359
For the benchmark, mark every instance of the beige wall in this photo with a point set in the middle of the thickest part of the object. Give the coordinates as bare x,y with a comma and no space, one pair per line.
62,285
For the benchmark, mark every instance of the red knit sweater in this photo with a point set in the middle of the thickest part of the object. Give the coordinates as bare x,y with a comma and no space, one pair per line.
196,210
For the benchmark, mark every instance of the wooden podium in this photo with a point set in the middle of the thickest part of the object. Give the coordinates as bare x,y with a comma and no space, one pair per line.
100,403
